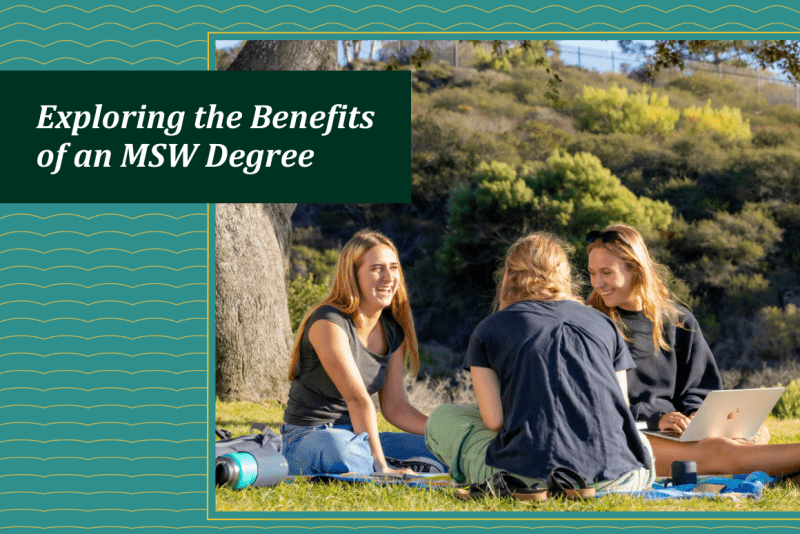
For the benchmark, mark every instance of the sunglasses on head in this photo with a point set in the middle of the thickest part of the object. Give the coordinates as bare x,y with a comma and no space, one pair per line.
607,237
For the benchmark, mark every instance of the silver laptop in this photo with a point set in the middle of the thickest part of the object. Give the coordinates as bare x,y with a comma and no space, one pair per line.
734,413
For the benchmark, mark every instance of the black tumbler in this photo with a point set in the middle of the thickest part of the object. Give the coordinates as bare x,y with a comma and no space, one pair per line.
684,472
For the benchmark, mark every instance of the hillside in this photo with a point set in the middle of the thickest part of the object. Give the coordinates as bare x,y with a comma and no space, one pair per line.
706,166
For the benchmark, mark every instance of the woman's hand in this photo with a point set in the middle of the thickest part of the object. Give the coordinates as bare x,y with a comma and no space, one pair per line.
674,421
386,470
392,396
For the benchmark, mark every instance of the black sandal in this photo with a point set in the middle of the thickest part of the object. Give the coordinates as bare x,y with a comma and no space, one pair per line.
563,481
504,484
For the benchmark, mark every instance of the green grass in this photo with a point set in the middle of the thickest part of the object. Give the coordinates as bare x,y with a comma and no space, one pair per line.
305,496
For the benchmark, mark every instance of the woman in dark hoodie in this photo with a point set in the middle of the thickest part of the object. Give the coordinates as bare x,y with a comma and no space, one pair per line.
675,369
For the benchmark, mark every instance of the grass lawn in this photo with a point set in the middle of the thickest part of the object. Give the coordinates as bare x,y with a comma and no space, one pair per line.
304,496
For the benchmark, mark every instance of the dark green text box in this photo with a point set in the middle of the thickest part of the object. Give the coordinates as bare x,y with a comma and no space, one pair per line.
344,137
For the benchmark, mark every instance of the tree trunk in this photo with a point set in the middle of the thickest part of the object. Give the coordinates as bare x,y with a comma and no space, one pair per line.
287,55
253,336
253,333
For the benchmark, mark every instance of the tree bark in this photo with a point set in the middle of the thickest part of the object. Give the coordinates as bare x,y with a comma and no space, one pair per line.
253,333
287,55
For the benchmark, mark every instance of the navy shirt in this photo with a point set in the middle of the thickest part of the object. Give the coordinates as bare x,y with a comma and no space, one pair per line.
561,400
313,397
674,380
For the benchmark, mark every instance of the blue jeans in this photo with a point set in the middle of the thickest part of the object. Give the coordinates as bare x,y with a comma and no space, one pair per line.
336,449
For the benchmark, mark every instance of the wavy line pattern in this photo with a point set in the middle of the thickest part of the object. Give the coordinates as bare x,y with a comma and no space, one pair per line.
92,217
103,319
102,250
104,336
102,423
74,388
102,441
399,11
100,389
105,284
104,267
81,475
104,354
101,232
110,58
178,39
415,27
157,24
102,302
6,406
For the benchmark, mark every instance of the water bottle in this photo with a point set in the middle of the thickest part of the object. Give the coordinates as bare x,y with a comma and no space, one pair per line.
257,468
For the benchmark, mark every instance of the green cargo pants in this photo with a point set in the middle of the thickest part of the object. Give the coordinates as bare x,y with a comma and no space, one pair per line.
457,436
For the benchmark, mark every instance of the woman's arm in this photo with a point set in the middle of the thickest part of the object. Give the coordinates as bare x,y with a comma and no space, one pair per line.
392,396
487,389
697,373
622,378
333,349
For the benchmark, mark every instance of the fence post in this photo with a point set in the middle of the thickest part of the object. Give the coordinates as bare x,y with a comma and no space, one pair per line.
455,52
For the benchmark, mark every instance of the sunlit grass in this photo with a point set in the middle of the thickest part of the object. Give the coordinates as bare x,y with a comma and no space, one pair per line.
306,496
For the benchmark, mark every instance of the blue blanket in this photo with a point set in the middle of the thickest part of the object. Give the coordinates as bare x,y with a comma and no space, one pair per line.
419,480
738,486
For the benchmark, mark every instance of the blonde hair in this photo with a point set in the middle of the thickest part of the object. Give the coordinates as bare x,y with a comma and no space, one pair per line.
345,296
536,268
649,281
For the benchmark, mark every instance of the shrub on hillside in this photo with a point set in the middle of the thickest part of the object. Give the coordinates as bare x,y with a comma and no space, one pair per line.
761,375
517,57
726,249
774,136
724,121
567,195
613,110
788,406
304,292
778,332
705,86
764,174
307,261
538,140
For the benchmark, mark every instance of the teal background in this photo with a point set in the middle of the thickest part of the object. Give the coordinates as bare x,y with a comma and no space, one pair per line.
164,489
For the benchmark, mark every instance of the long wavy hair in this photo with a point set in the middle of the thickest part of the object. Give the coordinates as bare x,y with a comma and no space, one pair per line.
649,282
536,268
346,297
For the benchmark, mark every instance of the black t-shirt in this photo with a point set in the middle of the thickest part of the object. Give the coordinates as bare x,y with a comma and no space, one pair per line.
562,404
674,380
313,397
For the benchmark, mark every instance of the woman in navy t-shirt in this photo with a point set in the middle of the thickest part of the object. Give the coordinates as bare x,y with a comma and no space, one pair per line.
546,372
